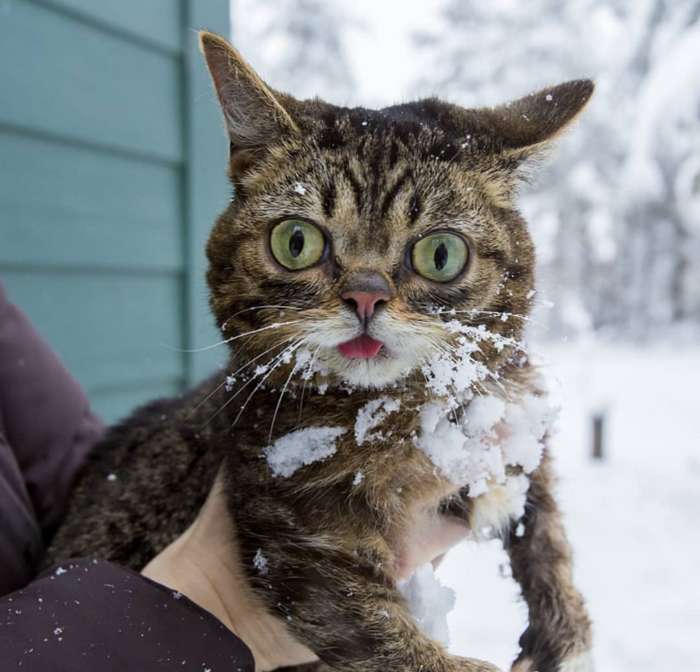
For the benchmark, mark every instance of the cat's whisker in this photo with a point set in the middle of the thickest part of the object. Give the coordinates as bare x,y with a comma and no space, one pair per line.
235,373
274,325
263,307
279,401
257,357
250,380
276,362
312,361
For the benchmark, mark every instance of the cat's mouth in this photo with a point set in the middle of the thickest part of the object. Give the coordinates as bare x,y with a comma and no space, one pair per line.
361,347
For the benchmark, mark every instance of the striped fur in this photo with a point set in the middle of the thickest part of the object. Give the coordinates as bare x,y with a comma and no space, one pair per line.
375,181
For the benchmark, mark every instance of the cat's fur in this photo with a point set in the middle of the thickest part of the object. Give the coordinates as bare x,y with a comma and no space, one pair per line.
375,181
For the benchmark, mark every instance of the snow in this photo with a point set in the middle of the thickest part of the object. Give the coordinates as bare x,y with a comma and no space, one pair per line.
302,447
260,562
490,435
632,519
371,415
299,188
429,602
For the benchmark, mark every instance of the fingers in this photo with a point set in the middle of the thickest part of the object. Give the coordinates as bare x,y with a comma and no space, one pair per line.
430,536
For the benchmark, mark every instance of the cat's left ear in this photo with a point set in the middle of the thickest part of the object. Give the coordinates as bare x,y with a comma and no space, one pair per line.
254,114
528,125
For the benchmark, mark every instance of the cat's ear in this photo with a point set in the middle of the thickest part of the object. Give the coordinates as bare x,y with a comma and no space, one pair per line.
253,113
528,125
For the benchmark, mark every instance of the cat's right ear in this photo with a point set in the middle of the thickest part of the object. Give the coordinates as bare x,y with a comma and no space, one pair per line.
254,116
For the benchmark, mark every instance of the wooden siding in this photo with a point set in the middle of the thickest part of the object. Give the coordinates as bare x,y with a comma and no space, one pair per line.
112,169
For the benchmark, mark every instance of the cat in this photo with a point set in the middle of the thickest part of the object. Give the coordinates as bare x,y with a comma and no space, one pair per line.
372,277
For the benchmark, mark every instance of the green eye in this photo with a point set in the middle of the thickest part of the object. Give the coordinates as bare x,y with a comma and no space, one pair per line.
440,257
297,244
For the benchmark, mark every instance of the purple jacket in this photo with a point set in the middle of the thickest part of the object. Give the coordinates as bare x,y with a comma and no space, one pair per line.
85,615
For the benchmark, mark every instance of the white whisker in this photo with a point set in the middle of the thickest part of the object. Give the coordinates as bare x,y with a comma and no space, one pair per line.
278,360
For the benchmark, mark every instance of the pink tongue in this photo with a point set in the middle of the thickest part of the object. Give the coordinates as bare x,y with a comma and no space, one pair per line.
362,347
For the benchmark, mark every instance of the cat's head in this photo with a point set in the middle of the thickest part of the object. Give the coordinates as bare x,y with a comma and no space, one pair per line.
374,243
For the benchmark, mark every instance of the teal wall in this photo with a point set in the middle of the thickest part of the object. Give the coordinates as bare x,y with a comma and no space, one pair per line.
112,170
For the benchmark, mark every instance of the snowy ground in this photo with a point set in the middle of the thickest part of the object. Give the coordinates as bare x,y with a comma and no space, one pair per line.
633,519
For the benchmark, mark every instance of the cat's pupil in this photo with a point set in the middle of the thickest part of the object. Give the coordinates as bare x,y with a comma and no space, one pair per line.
440,256
296,243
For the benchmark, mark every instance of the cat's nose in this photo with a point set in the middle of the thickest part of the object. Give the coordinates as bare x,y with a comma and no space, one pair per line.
364,293
364,303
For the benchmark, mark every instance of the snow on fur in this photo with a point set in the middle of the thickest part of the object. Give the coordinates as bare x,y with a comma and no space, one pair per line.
489,436
429,602
304,446
371,415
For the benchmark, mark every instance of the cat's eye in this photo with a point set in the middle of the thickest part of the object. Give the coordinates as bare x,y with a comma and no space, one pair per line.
297,244
440,257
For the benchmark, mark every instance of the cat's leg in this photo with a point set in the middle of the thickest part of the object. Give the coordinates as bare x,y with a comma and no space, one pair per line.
558,637
345,609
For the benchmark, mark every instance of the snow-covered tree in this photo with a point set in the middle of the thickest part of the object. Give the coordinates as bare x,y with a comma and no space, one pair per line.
613,213
297,44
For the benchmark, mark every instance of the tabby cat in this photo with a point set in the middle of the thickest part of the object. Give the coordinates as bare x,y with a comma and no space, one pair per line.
372,272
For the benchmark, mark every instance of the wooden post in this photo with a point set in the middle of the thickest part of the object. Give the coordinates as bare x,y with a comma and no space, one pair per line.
598,447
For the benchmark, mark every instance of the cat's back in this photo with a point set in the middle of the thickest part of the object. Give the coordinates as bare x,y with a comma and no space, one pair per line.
143,482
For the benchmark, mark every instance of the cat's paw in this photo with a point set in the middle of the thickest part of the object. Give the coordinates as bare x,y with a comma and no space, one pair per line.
474,665
523,665
581,662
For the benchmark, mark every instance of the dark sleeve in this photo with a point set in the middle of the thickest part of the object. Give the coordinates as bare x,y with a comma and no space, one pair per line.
45,416
46,430
94,615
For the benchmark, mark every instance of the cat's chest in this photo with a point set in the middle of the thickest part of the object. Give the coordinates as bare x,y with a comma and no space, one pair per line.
403,454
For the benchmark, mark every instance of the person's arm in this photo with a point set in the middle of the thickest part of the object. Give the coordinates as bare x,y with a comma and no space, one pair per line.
93,615
82,615
46,430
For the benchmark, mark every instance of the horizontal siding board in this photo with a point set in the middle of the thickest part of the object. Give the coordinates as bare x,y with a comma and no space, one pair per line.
111,332
156,21
205,177
63,78
69,207
116,404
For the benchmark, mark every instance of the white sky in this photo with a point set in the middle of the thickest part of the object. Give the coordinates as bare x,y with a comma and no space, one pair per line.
382,54
379,50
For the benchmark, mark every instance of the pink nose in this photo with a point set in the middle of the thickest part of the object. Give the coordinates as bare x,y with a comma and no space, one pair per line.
365,302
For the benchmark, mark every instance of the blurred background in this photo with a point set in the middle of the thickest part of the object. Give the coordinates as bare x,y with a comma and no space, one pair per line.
112,160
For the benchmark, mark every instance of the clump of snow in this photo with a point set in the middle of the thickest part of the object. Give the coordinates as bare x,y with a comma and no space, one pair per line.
490,435
454,371
527,424
59,571
302,447
299,188
429,602
371,415
503,504
358,478
260,562
451,372
307,364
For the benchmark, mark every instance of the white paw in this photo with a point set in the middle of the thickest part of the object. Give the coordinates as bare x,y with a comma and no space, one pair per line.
524,665
583,662
580,663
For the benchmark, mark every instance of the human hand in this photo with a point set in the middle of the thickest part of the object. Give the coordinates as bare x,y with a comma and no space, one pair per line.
204,564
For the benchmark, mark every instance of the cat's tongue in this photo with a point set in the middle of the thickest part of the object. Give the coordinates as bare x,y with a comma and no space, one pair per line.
362,347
